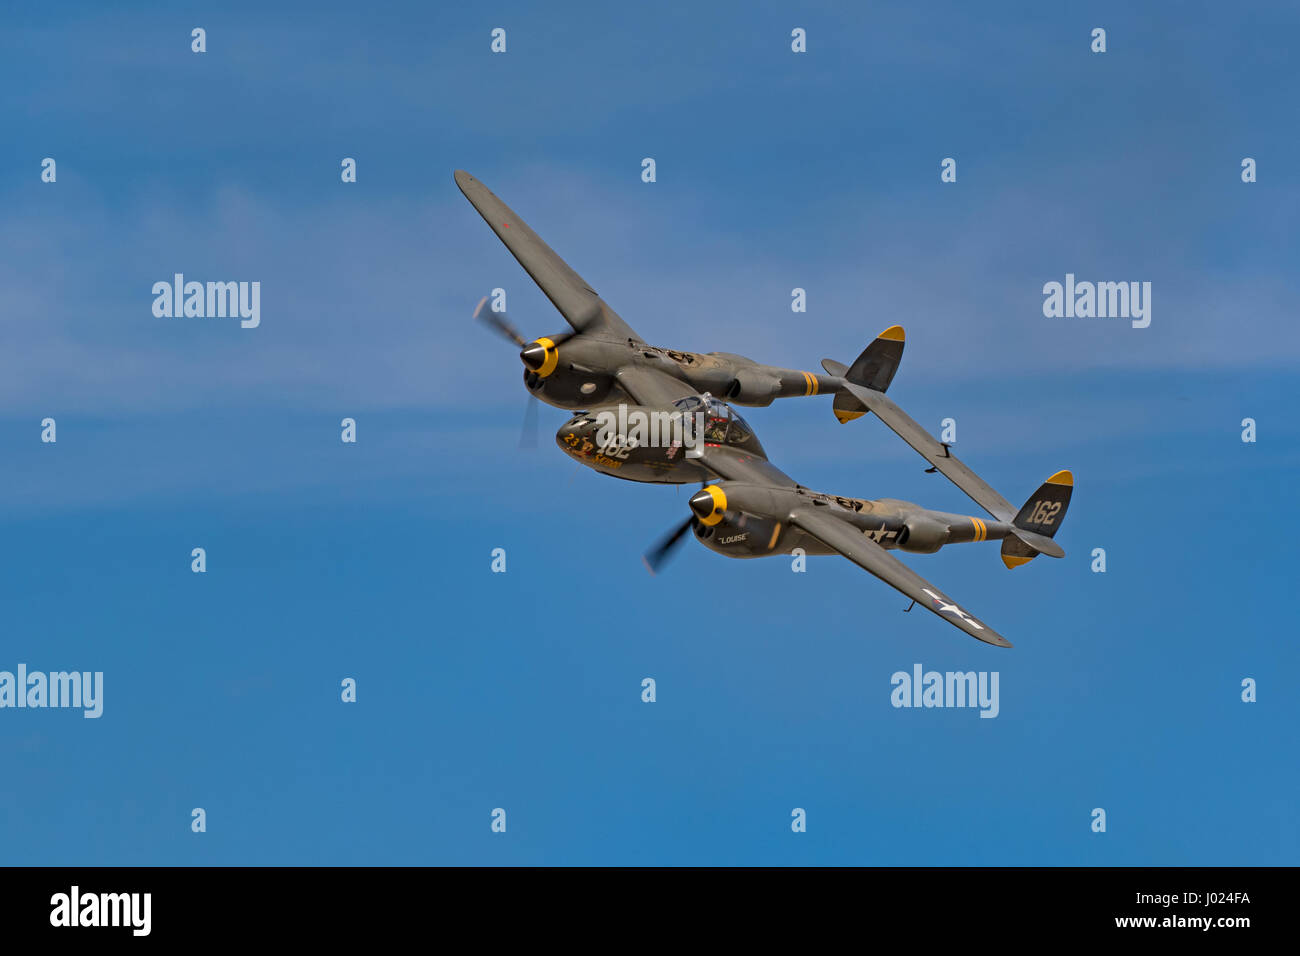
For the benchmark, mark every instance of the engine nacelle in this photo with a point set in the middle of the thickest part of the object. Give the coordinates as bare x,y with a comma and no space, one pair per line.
752,387
729,531
570,389
922,535
739,535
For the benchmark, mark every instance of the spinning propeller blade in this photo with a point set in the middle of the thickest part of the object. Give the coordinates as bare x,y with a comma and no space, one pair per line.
528,430
658,556
498,322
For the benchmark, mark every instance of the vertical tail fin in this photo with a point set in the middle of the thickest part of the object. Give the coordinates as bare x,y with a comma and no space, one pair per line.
1036,524
873,369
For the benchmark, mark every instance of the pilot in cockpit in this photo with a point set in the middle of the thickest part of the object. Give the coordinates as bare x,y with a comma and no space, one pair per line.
722,426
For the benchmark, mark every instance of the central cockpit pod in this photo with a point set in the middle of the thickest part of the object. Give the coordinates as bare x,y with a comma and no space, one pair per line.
722,425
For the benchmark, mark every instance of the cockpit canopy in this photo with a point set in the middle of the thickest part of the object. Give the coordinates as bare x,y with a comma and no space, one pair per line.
722,424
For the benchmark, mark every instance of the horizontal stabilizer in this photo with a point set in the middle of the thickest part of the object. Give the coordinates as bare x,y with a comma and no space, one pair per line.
1039,543
937,454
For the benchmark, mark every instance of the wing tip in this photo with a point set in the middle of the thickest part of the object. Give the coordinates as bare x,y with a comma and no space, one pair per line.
465,181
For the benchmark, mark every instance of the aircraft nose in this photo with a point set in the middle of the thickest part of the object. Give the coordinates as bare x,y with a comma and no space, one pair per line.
533,355
573,432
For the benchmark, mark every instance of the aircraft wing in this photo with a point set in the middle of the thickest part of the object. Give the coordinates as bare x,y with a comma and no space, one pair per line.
577,301
865,553
732,464
908,429
649,386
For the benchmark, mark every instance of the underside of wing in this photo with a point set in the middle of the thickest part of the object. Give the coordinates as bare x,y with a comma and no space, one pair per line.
908,429
577,301
862,551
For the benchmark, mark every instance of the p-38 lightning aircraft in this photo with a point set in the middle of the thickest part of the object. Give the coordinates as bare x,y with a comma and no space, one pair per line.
748,507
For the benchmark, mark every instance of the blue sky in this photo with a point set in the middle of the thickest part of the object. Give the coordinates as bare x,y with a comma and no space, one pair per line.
522,691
